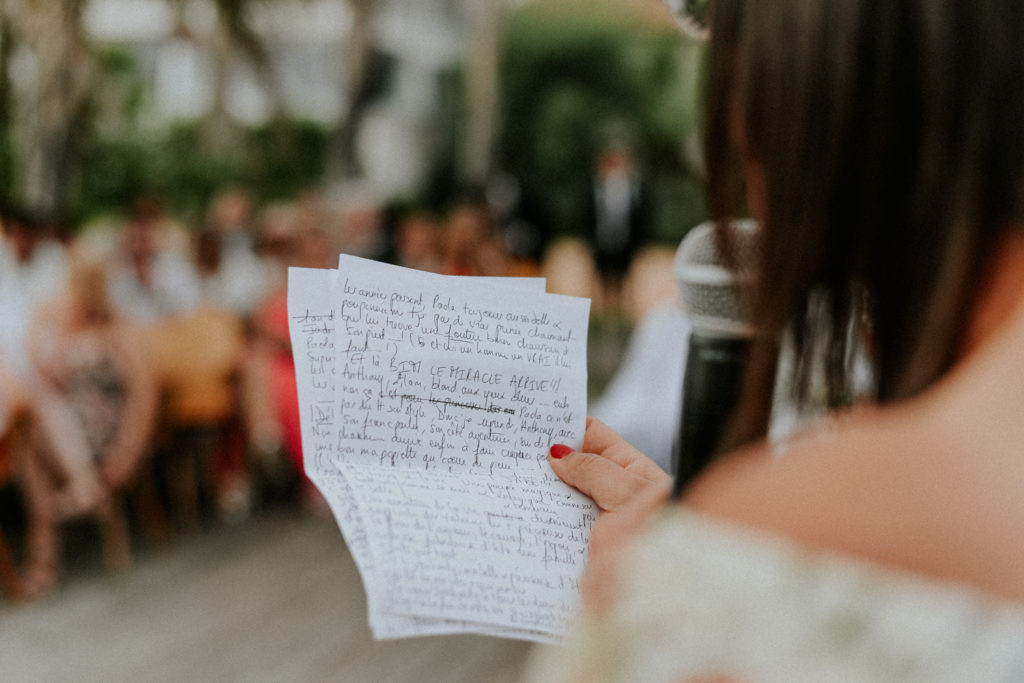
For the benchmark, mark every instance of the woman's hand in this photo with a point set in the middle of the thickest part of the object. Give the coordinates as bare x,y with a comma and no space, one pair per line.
627,486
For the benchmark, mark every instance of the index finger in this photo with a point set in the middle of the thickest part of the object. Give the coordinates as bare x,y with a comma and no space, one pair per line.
609,485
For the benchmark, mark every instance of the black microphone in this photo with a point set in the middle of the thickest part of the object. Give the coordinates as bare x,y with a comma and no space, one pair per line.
715,297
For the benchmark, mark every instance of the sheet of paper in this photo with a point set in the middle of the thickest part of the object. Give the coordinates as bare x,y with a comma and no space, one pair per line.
312,320
502,551
421,388
463,378
311,326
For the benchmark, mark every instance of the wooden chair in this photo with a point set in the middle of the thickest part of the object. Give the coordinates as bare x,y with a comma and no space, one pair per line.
197,358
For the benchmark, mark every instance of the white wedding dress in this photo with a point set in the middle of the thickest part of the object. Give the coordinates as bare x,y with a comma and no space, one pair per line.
704,600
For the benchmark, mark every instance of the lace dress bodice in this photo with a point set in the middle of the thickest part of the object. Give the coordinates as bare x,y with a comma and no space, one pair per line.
703,600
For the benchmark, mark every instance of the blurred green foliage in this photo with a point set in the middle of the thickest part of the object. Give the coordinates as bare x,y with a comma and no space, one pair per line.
575,76
176,168
123,159
576,79
276,161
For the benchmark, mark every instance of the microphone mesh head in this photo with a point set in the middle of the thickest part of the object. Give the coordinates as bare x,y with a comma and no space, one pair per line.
715,291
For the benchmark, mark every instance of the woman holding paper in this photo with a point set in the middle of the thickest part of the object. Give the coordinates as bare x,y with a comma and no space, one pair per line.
881,146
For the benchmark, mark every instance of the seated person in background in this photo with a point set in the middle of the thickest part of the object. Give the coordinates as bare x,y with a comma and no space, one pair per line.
200,451
38,434
270,400
93,366
653,363
415,242
29,430
31,421
33,268
885,542
466,228
231,274
151,276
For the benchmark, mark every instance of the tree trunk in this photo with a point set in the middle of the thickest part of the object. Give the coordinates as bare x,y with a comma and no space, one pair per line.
60,91
6,101
218,133
483,43
233,36
343,162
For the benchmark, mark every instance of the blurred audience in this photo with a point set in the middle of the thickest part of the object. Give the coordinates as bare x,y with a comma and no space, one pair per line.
151,365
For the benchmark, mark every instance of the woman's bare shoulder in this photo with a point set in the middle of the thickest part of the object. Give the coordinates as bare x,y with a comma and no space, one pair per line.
884,485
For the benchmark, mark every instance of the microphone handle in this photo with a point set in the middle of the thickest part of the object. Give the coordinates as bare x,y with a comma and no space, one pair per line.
714,369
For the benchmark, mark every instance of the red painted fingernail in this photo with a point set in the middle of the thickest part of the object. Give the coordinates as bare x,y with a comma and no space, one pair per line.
559,451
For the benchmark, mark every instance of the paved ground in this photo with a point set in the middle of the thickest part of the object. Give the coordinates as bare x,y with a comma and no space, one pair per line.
275,599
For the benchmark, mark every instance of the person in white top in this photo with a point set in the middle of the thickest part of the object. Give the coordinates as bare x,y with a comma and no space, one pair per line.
880,146
33,269
152,278
232,275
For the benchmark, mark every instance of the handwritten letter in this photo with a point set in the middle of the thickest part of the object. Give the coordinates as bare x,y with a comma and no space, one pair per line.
428,424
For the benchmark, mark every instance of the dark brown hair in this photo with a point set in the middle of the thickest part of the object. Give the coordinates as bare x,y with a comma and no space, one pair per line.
890,137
